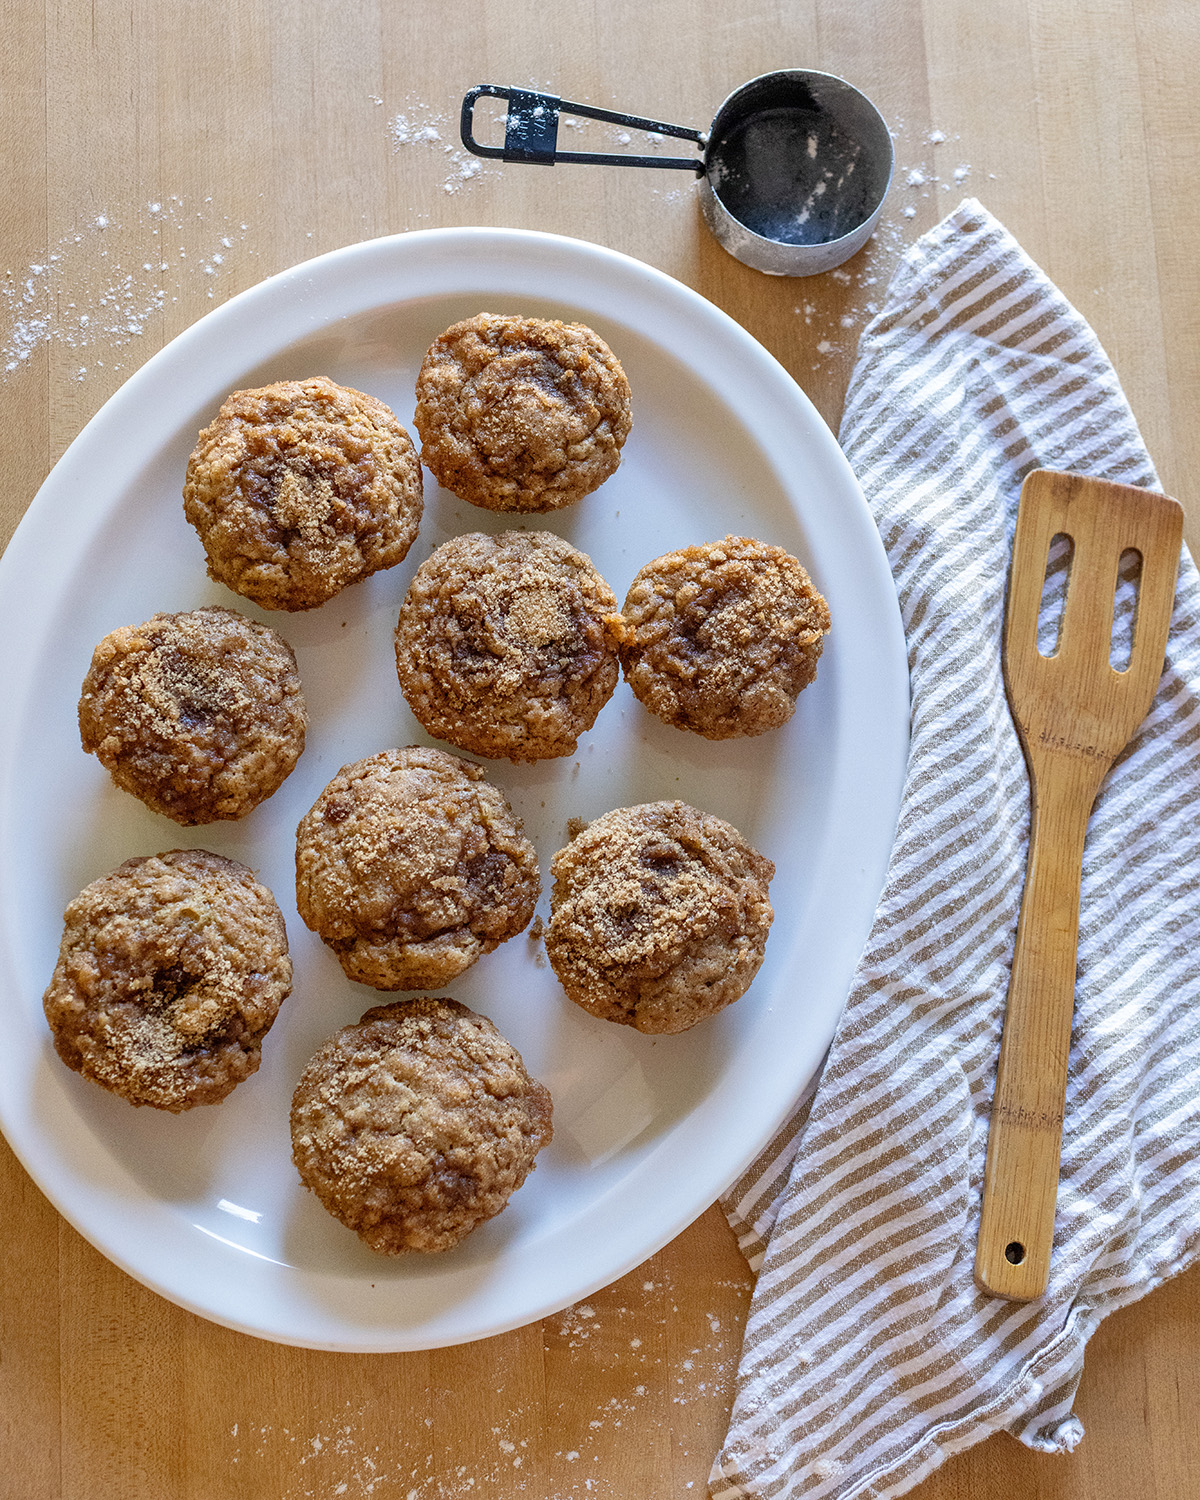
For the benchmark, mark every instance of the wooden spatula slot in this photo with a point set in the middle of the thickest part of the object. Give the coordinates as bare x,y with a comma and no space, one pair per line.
1054,593
1074,713
1125,608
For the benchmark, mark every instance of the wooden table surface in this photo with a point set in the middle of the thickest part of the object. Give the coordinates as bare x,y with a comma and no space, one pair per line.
268,133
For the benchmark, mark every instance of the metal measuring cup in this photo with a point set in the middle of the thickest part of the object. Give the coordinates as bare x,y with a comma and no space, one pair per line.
795,169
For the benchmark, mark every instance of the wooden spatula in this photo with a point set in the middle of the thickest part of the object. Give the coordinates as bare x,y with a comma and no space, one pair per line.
1074,713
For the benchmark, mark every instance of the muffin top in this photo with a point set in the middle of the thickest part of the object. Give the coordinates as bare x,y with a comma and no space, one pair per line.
660,916
416,1124
521,414
170,973
506,644
721,638
199,714
300,488
411,866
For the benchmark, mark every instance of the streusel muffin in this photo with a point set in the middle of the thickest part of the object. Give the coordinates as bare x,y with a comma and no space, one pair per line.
301,488
171,971
199,714
521,414
660,915
416,1124
411,866
506,644
722,638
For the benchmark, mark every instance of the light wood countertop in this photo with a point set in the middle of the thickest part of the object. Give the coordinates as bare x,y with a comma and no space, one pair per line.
269,133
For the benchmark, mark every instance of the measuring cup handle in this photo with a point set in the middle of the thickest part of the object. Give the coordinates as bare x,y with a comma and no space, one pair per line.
531,131
531,126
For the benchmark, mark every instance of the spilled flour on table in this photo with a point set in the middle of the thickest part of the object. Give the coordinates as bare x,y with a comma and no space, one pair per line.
114,291
630,1346
419,127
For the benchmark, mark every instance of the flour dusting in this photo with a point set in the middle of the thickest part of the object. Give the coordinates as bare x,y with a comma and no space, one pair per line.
420,126
114,293
649,1367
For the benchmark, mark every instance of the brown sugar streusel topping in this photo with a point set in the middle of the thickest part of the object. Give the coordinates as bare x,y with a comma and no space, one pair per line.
722,638
417,1124
199,714
521,414
300,488
660,915
411,866
506,644
170,973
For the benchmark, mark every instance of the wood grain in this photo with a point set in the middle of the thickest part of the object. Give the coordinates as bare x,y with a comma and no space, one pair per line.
269,133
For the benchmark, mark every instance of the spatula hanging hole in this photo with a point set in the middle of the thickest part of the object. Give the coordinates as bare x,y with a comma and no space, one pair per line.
1014,1253
1125,608
1054,594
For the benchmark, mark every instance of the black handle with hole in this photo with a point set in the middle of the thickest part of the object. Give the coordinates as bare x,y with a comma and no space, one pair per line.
531,131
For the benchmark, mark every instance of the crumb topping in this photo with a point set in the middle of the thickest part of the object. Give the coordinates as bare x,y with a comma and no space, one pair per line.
412,866
301,488
199,714
170,973
721,638
659,915
417,1124
505,645
521,414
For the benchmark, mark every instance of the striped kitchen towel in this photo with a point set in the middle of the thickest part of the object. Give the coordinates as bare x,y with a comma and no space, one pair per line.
869,1354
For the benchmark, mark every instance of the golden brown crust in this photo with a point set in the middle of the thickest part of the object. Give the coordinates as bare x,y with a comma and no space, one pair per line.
171,971
301,488
505,644
198,714
660,916
417,1124
722,638
521,414
411,866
